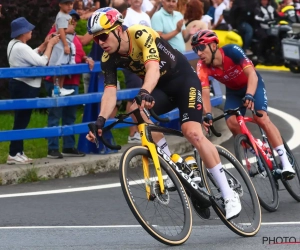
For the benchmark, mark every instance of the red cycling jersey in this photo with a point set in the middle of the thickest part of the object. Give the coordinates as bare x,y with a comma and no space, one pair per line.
232,74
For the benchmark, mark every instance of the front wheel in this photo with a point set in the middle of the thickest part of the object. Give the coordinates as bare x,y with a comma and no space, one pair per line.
293,185
165,216
261,175
249,220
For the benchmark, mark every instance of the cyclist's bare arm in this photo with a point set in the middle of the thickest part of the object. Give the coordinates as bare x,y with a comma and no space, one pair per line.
252,84
108,101
151,78
206,100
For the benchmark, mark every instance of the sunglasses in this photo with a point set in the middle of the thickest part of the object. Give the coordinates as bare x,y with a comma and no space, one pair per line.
103,36
199,47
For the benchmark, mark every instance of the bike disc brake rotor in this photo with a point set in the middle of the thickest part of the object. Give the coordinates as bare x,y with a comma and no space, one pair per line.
162,198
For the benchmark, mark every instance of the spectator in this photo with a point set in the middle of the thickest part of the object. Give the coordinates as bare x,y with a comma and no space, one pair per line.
264,12
63,52
21,55
100,4
169,24
181,6
219,22
151,8
134,15
96,51
68,113
79,7
207,18
242,19
192,16
212,9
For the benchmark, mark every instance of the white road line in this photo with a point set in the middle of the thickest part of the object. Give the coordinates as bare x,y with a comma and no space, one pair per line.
293,143
131,226
59,191
294,122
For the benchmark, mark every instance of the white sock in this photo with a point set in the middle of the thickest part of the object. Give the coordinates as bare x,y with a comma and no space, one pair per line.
220,177
283,157
164,146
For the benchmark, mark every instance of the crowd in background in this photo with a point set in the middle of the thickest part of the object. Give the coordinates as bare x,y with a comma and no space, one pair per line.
175,20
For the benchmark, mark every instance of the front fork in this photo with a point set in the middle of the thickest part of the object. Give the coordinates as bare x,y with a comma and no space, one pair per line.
152,148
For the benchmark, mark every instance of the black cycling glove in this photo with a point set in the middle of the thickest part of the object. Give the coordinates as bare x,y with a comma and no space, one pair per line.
248,97
208,117
145,95
100,122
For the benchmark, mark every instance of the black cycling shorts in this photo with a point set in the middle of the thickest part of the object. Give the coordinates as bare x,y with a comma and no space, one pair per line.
182,91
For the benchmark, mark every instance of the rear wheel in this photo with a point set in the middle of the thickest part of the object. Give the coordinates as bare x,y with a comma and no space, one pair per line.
293,185
249,220
165,216
261,175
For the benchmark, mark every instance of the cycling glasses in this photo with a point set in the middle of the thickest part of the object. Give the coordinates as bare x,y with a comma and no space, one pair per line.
200,47
104,35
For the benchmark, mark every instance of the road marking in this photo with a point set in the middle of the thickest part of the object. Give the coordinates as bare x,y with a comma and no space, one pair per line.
133,226
59,191
293,143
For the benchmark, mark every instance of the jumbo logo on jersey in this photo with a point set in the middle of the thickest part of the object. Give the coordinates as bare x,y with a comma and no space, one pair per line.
192,97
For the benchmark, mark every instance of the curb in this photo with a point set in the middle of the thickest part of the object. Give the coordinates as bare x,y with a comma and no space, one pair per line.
91,164
272,68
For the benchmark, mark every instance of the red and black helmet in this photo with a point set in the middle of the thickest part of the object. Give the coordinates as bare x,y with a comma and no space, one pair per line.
204,37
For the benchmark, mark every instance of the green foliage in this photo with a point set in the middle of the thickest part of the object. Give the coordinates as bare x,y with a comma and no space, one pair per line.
30,175
37,148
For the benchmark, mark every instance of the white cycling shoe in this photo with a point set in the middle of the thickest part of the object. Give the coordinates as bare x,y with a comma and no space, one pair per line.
233,206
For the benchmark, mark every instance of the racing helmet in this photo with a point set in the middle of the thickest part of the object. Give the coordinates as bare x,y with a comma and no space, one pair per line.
104,19
204,37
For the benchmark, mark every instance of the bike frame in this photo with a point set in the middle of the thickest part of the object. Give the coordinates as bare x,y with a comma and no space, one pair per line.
145,130
244,130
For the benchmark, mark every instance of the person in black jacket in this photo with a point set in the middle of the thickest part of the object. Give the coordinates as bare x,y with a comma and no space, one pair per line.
242,19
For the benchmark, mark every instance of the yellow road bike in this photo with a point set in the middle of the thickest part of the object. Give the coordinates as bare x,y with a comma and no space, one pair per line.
167,215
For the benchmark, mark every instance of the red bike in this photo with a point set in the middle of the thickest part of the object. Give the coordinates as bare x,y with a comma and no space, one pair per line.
258,157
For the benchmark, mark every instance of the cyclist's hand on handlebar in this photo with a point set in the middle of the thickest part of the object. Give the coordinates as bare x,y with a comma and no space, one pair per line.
248,101
207,121
91,136
147,100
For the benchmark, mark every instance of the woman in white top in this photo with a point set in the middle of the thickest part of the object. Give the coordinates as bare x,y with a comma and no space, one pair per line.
21,55
219,22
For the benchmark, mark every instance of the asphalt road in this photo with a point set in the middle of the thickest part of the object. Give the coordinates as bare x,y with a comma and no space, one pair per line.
99,218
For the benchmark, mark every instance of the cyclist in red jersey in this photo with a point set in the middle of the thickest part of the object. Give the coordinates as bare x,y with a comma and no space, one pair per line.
230,66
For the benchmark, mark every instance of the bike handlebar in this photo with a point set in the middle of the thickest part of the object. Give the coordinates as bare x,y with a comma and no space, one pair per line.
236,111
120,118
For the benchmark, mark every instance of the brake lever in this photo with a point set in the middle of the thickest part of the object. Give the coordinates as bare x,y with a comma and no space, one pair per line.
93,128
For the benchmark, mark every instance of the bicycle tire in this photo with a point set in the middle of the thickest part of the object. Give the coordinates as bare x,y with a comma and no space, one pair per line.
248,196
296,180
149,218
265,185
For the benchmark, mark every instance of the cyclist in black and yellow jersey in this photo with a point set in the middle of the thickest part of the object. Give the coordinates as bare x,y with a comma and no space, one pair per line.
169,82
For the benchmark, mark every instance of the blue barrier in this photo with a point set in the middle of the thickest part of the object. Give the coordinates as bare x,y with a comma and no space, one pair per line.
89,99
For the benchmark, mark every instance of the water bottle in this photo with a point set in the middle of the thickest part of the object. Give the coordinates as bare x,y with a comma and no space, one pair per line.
180,163
195,173
56,90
